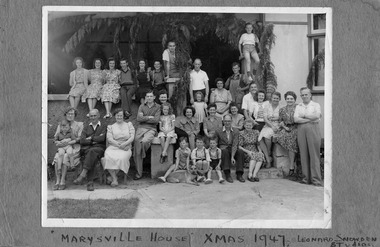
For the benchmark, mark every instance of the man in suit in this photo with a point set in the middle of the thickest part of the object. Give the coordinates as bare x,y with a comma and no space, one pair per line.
93,144
228,139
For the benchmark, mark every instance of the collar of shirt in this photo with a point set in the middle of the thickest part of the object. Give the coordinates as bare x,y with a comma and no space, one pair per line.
235,76
224,129
125,71
303,105
154,104
186,120
94,126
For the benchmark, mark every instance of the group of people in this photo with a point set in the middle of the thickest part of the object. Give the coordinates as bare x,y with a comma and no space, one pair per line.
232,125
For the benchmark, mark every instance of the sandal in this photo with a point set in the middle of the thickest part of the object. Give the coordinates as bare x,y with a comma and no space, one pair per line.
62,186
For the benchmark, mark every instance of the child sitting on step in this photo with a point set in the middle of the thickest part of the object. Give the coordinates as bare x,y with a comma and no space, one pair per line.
201,159
182,155
166,125
216,161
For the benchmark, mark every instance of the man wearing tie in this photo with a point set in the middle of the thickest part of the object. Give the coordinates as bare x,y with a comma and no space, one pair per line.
228,139
93,144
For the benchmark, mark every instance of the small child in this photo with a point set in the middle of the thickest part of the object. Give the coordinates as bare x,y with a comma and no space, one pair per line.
248,41
182,155
166,125
65,135
200,108
216,160
201,158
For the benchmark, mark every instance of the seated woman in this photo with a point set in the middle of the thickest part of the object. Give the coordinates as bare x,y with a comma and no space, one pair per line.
258,110
237,118
78,83
190,125
248,143
120,136
63,160
221,97
211,123
287,136
271,117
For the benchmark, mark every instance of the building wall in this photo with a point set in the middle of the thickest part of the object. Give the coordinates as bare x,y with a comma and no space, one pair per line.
290,54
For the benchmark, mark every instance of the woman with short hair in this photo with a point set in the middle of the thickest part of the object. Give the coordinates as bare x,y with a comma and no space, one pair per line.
78,82
221,97
94,90
271,118
120,136
63,161
110,92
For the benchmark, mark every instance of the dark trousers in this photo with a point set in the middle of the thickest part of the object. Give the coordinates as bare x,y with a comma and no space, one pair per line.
226,161
126,94
91,158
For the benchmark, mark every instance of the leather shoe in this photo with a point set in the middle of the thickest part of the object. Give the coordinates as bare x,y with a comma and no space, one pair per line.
251,179
229,179
79,180
256,179
90,187
136,178
240,179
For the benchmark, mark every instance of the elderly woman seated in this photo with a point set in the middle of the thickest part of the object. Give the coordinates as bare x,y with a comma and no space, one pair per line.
120,136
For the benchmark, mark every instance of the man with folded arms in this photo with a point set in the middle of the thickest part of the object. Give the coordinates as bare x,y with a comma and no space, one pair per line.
93,144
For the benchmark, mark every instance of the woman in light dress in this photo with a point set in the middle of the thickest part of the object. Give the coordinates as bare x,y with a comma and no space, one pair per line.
110,92
94,90
120,136
271,118
78,83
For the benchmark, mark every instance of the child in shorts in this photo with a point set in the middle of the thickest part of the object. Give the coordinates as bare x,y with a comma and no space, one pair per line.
65,135
247,49
216,161
182,155
201,159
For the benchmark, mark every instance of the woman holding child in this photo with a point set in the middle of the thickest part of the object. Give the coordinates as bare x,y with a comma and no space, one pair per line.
62,160
120,136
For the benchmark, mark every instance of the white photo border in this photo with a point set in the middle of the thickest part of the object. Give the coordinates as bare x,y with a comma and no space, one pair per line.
194,223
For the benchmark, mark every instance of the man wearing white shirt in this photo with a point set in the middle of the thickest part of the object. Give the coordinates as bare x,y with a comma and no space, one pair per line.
307,114
198,81
168,56
249,103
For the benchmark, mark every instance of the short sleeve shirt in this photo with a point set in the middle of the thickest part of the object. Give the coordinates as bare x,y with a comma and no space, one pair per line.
311,108
198,79
248,103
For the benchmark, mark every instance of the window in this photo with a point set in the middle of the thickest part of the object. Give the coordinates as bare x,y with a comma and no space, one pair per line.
316,35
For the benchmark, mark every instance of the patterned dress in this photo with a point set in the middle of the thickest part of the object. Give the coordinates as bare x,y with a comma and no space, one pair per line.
248,139
79,88
94,90
288,139
221,99
167,123
110,91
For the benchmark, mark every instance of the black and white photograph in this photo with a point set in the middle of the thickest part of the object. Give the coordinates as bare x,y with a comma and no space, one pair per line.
186,117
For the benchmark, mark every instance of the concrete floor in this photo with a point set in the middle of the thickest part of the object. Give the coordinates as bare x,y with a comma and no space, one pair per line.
270,199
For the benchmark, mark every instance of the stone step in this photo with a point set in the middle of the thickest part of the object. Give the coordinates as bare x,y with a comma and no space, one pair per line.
264,173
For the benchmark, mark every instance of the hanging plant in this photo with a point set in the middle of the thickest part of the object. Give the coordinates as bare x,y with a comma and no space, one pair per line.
317,64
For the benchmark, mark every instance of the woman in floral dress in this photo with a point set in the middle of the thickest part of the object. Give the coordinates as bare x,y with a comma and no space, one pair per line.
287,136
94,90
78,82
110,91
249,144
221,97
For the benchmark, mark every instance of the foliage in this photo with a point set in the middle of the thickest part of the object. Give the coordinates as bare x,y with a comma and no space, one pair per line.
185,29
317,63
266,77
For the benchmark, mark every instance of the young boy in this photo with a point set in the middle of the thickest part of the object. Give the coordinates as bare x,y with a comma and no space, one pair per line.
182,155
216,160
66,135
201,158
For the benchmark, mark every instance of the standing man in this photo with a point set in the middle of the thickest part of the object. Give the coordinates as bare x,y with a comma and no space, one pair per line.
168,56
228,139
93,144
148,117
307,114
128,86
198,81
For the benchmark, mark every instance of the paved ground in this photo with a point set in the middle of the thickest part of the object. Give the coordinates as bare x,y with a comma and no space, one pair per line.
277,199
